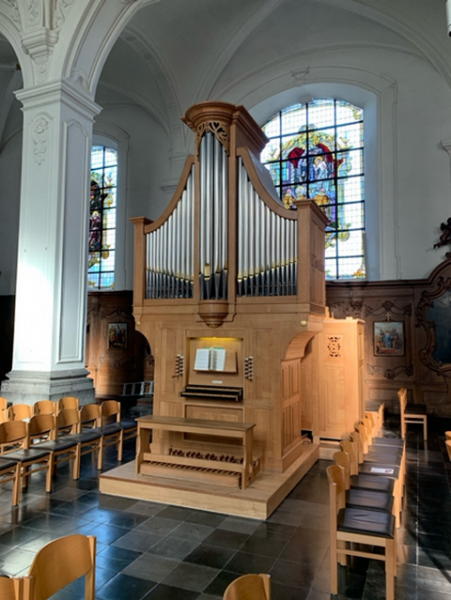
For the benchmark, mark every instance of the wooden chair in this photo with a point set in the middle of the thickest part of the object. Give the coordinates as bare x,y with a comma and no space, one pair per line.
10,471
3,403
448,448
43,430
111,420
68,427
67,402
412,414
349,526
249,587
44,407
19,412
380,466
59,563
362,497
14,588
14,440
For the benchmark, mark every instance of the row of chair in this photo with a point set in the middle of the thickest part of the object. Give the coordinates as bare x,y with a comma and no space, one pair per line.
46,440
54,567
366,486
21,412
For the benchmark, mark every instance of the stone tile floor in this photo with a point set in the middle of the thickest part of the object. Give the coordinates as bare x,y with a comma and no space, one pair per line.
149,551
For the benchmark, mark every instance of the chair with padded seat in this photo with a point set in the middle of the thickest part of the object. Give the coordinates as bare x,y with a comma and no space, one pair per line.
381,465
10,471
14,440
350,526
111,419
412,414
249,587
42,432
359,497
67,402
14,588
61,562
69,427
19,412
44,407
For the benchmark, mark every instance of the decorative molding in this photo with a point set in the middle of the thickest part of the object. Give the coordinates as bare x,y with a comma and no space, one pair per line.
390,374
220,130
40,135
15,14
59,15
334,346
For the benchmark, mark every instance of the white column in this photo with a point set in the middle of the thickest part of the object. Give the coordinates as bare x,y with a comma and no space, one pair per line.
51,293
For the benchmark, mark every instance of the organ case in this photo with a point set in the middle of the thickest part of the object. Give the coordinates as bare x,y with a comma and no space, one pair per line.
228,267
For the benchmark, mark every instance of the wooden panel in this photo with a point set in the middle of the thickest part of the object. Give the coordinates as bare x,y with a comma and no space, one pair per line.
166,365
263,341
218,413
291,411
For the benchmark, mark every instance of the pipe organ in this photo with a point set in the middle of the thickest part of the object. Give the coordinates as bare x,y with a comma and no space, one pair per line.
230,284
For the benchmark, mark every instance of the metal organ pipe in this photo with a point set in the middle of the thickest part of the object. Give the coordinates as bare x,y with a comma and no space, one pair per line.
169,251
213,218
267,247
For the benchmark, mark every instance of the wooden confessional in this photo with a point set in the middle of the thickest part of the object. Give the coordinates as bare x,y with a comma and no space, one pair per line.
229,287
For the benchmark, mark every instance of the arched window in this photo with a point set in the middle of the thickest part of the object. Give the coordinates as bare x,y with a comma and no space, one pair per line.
316,151
102,218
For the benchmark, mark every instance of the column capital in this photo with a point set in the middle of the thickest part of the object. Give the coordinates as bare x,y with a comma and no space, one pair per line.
56,92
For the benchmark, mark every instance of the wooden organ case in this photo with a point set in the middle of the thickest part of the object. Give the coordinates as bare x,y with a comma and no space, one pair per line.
229,288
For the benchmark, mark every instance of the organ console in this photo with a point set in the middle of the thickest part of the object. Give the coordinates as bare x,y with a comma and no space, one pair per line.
228,270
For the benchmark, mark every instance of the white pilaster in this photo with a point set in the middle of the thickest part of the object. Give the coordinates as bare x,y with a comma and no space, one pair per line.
50,317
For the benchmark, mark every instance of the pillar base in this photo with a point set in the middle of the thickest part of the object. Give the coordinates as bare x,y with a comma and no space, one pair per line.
30,386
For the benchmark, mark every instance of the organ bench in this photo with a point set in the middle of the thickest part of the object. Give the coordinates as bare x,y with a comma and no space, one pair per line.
225,468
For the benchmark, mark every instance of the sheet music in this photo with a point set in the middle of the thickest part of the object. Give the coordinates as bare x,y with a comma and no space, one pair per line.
210,359
218,356
202,362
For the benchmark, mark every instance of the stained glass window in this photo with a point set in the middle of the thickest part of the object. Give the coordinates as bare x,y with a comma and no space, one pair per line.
315,150
102,218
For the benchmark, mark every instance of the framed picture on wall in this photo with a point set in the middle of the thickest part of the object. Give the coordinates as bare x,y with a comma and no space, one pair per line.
388,338
117,335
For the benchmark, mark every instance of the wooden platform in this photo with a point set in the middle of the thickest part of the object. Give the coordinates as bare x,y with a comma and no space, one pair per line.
257,501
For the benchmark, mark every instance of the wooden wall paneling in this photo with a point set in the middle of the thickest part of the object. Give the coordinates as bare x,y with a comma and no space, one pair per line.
111,367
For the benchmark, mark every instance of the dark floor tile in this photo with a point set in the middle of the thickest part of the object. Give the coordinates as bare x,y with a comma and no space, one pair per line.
263,547
210,556
123,587
115,557
167,592
191,576
297,575
281,591
206,518
179,513
242,562
224,538
219,584
140,541
158,525
151,567
274,531
172,547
